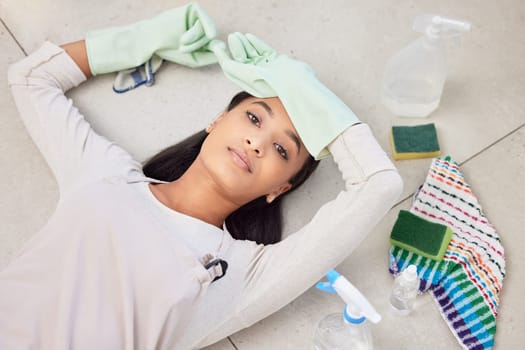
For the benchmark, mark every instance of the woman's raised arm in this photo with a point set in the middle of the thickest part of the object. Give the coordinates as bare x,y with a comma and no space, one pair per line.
73,150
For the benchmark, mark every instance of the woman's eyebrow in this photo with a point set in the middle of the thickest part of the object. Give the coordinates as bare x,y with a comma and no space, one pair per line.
265,106
295,139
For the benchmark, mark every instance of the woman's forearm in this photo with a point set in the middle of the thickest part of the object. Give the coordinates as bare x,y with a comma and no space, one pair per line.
77,51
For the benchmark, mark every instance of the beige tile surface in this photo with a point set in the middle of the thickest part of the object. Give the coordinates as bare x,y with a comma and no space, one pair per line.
348,44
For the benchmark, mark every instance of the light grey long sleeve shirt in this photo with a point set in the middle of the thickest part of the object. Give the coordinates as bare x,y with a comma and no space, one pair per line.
116,269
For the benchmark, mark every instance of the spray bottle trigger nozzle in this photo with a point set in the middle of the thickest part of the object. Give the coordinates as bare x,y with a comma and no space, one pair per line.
326,287
446,28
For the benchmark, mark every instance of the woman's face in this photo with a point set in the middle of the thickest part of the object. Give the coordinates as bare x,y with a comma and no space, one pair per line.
253,150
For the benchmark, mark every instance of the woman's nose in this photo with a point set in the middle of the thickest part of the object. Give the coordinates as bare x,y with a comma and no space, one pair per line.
255,145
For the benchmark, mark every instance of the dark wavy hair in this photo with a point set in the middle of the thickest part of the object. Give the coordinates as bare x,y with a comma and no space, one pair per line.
257,220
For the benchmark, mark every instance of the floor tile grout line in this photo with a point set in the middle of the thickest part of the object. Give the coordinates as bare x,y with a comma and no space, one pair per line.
468,159
492,144
13,36
231,341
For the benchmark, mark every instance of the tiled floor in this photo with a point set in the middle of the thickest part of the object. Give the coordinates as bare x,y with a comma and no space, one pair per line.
481,124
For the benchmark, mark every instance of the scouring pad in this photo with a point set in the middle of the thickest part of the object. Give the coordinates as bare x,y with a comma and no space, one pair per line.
412,142
420,236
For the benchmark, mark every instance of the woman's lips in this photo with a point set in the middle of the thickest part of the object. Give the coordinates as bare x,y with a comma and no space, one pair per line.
240,159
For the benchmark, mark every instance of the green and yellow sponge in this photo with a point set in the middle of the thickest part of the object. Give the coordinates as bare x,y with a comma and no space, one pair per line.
413,142
415,234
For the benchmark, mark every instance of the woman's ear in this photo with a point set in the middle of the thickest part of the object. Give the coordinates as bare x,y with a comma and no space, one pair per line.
211,126
270,197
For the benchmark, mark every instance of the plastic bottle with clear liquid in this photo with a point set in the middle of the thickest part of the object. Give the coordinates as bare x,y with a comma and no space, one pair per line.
349,329
414,77
337,332
404,291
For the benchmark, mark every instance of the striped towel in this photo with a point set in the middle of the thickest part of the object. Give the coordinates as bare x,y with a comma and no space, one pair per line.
467,283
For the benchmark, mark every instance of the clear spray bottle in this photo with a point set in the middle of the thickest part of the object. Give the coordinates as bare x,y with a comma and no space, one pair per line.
349,329
414,77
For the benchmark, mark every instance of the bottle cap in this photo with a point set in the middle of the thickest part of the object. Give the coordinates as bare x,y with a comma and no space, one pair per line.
352,319
410,273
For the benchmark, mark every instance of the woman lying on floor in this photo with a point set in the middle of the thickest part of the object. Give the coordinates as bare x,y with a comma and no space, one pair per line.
186,250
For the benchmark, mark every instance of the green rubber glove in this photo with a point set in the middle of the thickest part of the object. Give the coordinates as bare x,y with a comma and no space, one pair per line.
179,35
316,112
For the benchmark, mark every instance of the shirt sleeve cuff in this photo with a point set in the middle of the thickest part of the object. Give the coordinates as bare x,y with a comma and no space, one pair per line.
358,154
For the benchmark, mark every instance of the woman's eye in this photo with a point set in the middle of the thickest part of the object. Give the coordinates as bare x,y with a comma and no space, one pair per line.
282,151
253,118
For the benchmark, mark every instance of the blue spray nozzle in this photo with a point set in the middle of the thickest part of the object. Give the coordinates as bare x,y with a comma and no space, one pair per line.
332,275
326,287
357,307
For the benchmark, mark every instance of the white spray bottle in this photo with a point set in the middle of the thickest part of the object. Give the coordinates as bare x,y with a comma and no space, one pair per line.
349,329
415,76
